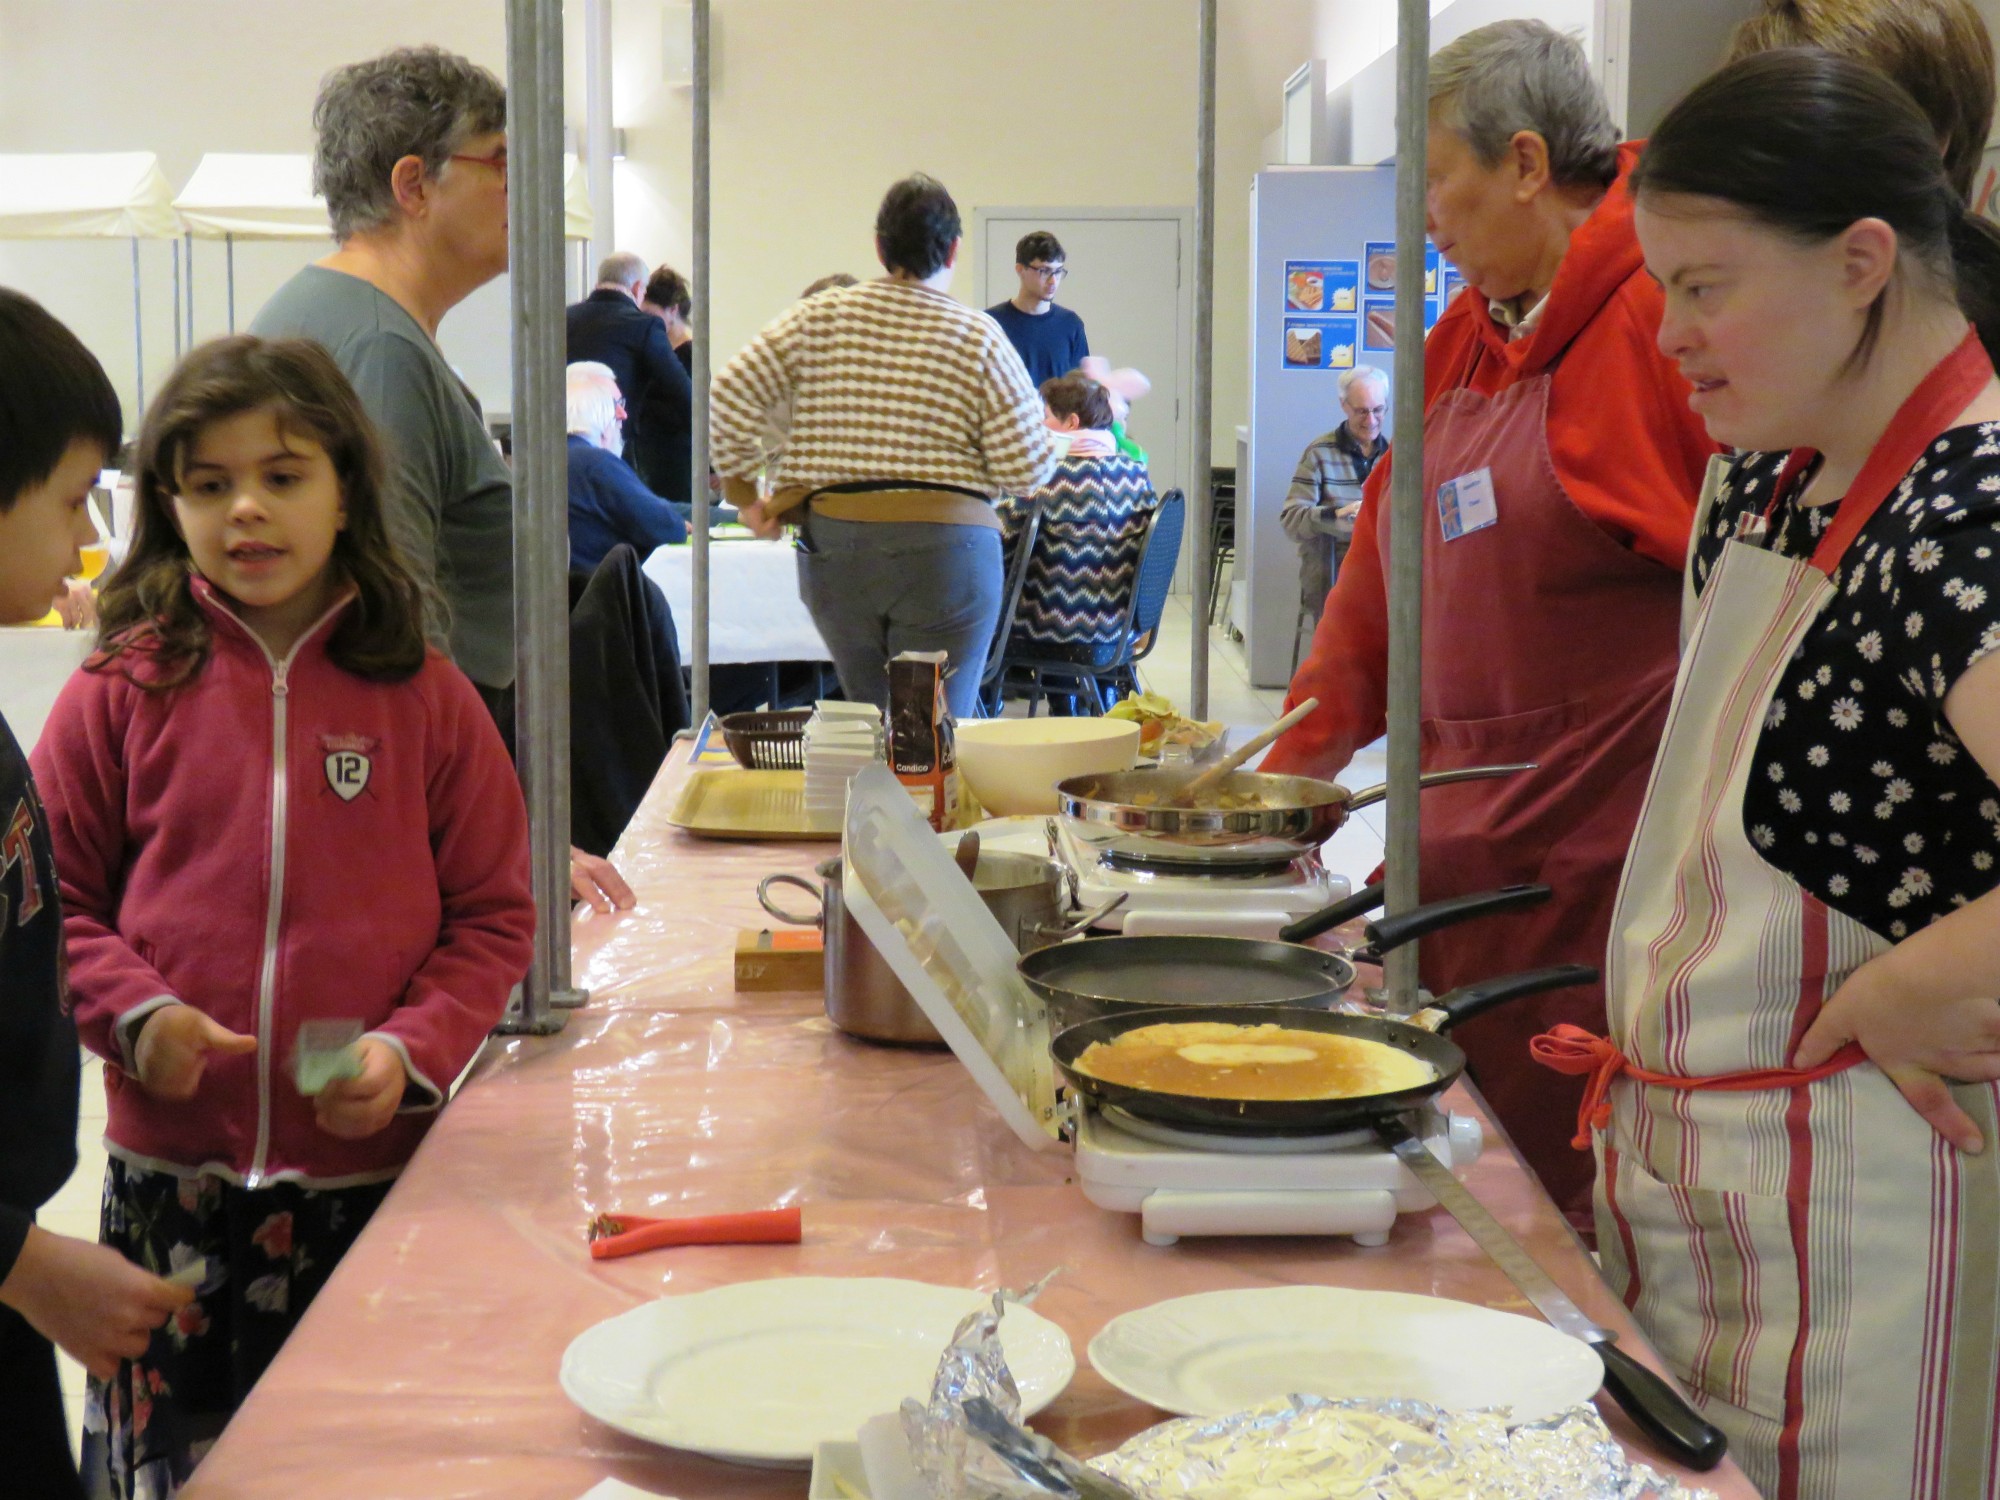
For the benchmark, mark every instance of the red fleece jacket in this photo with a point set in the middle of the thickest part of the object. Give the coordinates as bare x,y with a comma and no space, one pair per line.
276,843
1625,446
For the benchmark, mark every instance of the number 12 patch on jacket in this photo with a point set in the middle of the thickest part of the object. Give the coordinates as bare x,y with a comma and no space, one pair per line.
1466,504
349,763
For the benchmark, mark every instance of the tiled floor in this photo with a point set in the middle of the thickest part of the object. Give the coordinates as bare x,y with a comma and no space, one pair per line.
1353,852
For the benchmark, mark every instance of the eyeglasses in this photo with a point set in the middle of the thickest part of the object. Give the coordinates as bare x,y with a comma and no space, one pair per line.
1050,273
497,161
1368,411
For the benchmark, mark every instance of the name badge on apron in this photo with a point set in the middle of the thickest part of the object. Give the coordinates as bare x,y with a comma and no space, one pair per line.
1466,504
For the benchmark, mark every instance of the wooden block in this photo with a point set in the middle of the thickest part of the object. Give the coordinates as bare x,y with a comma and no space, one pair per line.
787,959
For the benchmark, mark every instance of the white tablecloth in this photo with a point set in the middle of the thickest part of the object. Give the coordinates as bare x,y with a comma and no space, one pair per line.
754,609
35,662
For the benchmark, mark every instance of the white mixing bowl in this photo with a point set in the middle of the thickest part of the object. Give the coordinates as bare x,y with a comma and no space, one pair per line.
1013,765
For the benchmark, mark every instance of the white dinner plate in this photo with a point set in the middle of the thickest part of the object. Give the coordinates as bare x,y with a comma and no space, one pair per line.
1218,1352
763,1372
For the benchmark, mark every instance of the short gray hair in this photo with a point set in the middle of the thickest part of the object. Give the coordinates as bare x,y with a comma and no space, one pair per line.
1525,75
1360,373
591,396
416,101
621,268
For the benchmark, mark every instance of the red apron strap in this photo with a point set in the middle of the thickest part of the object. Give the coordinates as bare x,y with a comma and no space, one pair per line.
1572,1050
1928,411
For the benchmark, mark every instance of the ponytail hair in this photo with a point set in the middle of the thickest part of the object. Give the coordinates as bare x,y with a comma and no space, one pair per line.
1806,143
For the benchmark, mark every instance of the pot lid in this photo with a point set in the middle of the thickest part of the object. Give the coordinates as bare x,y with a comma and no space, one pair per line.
933,930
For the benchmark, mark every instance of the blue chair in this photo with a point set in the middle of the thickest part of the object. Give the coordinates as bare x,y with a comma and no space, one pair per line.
1036,676
990,694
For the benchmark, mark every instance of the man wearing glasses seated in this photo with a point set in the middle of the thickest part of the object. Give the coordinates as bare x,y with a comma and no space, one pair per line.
1049,339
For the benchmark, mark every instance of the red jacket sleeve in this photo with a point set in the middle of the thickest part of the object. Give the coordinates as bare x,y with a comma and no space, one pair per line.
479,839
1347,665
79,766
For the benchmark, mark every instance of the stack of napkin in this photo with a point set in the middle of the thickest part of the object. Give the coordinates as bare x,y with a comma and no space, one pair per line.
841,738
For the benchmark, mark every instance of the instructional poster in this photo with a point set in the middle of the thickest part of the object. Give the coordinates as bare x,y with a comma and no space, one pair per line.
1319,343
1378,325
1378,265
1321,286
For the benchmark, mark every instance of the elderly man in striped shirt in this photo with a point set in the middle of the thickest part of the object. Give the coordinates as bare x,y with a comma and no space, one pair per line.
910,414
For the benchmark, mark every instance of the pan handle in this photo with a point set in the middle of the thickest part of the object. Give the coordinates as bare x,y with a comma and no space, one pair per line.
1418,921
1469,1000
1327,918
1369,795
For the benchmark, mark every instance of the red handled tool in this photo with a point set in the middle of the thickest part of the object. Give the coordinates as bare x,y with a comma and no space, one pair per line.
613,1235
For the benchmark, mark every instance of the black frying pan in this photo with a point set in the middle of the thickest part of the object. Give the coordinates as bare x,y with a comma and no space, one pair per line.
1281,1117
1083,980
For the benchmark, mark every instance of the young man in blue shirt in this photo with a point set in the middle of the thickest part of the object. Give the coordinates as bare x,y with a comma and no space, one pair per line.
1049,339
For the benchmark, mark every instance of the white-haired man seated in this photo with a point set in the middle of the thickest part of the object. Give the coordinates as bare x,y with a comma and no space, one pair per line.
608,502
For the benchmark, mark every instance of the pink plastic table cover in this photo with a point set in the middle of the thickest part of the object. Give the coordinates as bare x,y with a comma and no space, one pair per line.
427,1368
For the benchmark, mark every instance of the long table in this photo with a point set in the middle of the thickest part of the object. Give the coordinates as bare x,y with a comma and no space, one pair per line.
755,613
427,1368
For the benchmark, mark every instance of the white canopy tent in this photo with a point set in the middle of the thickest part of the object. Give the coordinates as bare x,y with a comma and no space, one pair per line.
90,195
237,195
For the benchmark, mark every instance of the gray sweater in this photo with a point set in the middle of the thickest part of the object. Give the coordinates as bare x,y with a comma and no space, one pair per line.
451,497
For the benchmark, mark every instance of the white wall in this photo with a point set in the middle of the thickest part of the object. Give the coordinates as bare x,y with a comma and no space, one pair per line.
819,105
183,77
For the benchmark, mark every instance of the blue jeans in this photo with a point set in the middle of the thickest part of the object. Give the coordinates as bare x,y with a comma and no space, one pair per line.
879,588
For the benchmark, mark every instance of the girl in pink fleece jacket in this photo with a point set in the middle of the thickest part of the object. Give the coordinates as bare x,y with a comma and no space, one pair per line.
271,804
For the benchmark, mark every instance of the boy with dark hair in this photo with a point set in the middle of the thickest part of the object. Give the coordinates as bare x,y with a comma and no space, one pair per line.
1049,339
59,425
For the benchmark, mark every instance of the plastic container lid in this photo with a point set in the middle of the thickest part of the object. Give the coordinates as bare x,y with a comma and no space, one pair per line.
932,929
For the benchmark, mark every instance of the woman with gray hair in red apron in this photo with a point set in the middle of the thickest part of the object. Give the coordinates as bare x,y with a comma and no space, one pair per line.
1794,1114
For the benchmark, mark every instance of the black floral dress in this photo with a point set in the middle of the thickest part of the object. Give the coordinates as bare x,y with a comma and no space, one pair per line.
265,1254
1863,793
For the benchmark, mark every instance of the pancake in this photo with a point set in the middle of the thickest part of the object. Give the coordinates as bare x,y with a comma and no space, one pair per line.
1217,1060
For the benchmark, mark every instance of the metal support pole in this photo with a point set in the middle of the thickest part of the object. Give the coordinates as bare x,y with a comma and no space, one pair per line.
1406,489
597,127
188,240
703,53
541,501
138,338
174,248
1201,476
229,272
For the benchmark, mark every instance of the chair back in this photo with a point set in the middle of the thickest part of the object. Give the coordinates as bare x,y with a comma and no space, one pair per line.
1161,555
1010,595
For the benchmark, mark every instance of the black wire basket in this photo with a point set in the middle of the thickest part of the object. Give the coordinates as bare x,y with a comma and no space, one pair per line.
765,741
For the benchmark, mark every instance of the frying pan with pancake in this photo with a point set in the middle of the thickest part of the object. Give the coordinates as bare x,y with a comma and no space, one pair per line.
1303,1117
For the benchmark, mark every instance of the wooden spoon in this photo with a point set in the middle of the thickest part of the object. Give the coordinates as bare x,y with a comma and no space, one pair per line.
966,855
1208,780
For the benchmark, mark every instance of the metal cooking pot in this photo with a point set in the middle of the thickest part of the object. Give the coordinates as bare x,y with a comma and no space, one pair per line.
1125,813
864,997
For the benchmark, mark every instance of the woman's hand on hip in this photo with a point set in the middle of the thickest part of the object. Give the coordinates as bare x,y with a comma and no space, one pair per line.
1922,1040
355,1108
173,1048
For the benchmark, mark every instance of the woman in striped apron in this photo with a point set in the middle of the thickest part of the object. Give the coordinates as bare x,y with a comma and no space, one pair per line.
1799,1195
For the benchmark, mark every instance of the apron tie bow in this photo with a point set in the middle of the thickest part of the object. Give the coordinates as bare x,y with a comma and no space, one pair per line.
1573,1051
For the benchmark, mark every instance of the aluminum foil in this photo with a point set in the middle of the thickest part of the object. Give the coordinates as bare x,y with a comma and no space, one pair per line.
1308,1448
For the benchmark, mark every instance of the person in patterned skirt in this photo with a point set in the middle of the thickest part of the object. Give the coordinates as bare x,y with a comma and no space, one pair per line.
1795,1112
